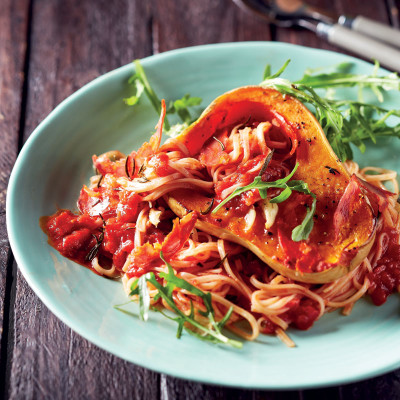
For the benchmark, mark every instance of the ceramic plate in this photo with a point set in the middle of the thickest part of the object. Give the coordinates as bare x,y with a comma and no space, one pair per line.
56,161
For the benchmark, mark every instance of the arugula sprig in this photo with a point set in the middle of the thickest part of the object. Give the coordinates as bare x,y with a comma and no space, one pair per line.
300,232
212,334
343,121
141,86
343,78
181,107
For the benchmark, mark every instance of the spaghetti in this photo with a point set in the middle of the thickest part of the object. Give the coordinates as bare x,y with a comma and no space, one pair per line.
125,220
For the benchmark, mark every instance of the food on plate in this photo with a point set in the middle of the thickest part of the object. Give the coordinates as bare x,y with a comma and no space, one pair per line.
276,134
247,219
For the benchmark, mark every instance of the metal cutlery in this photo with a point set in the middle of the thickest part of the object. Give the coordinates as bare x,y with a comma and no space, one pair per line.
363,36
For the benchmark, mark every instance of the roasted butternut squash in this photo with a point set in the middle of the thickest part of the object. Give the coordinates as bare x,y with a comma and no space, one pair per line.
344,221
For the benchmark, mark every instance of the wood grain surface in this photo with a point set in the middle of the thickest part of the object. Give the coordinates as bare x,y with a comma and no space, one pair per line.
49,49
14,22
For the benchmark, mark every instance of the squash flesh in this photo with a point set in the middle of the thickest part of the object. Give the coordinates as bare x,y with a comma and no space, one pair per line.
328,253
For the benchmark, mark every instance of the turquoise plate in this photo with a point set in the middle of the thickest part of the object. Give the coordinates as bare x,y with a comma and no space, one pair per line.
56,161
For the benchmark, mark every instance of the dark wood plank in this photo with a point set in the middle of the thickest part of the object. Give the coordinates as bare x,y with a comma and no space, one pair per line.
177,389
332,393
376,10
382,387
72,43
13,45
305,37
203,22
50,361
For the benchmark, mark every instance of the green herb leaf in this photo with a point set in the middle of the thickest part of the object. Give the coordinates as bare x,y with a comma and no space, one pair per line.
300,186
119,308
344,122
141,85
171,278
259,184
181,107
302,231
284,195
346,79
95,249
225,319
212,334
144,297
176,129
139,90
341,67
208,209
266,162
220,143
267,71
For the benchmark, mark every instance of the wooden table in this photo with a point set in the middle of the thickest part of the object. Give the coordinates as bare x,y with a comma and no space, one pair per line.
49,49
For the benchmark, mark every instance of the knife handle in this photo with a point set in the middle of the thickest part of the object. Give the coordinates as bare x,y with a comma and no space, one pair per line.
360,44
372,28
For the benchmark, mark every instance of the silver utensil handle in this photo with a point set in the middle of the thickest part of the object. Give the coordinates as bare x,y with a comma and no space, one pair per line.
360,44
372,28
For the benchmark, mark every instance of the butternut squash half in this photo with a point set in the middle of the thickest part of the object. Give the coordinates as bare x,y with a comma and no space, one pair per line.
344,221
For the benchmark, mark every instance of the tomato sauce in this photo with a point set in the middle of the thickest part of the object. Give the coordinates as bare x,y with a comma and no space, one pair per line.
385,278
72,235
76,236
243,175
301,315
160,164
118,241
